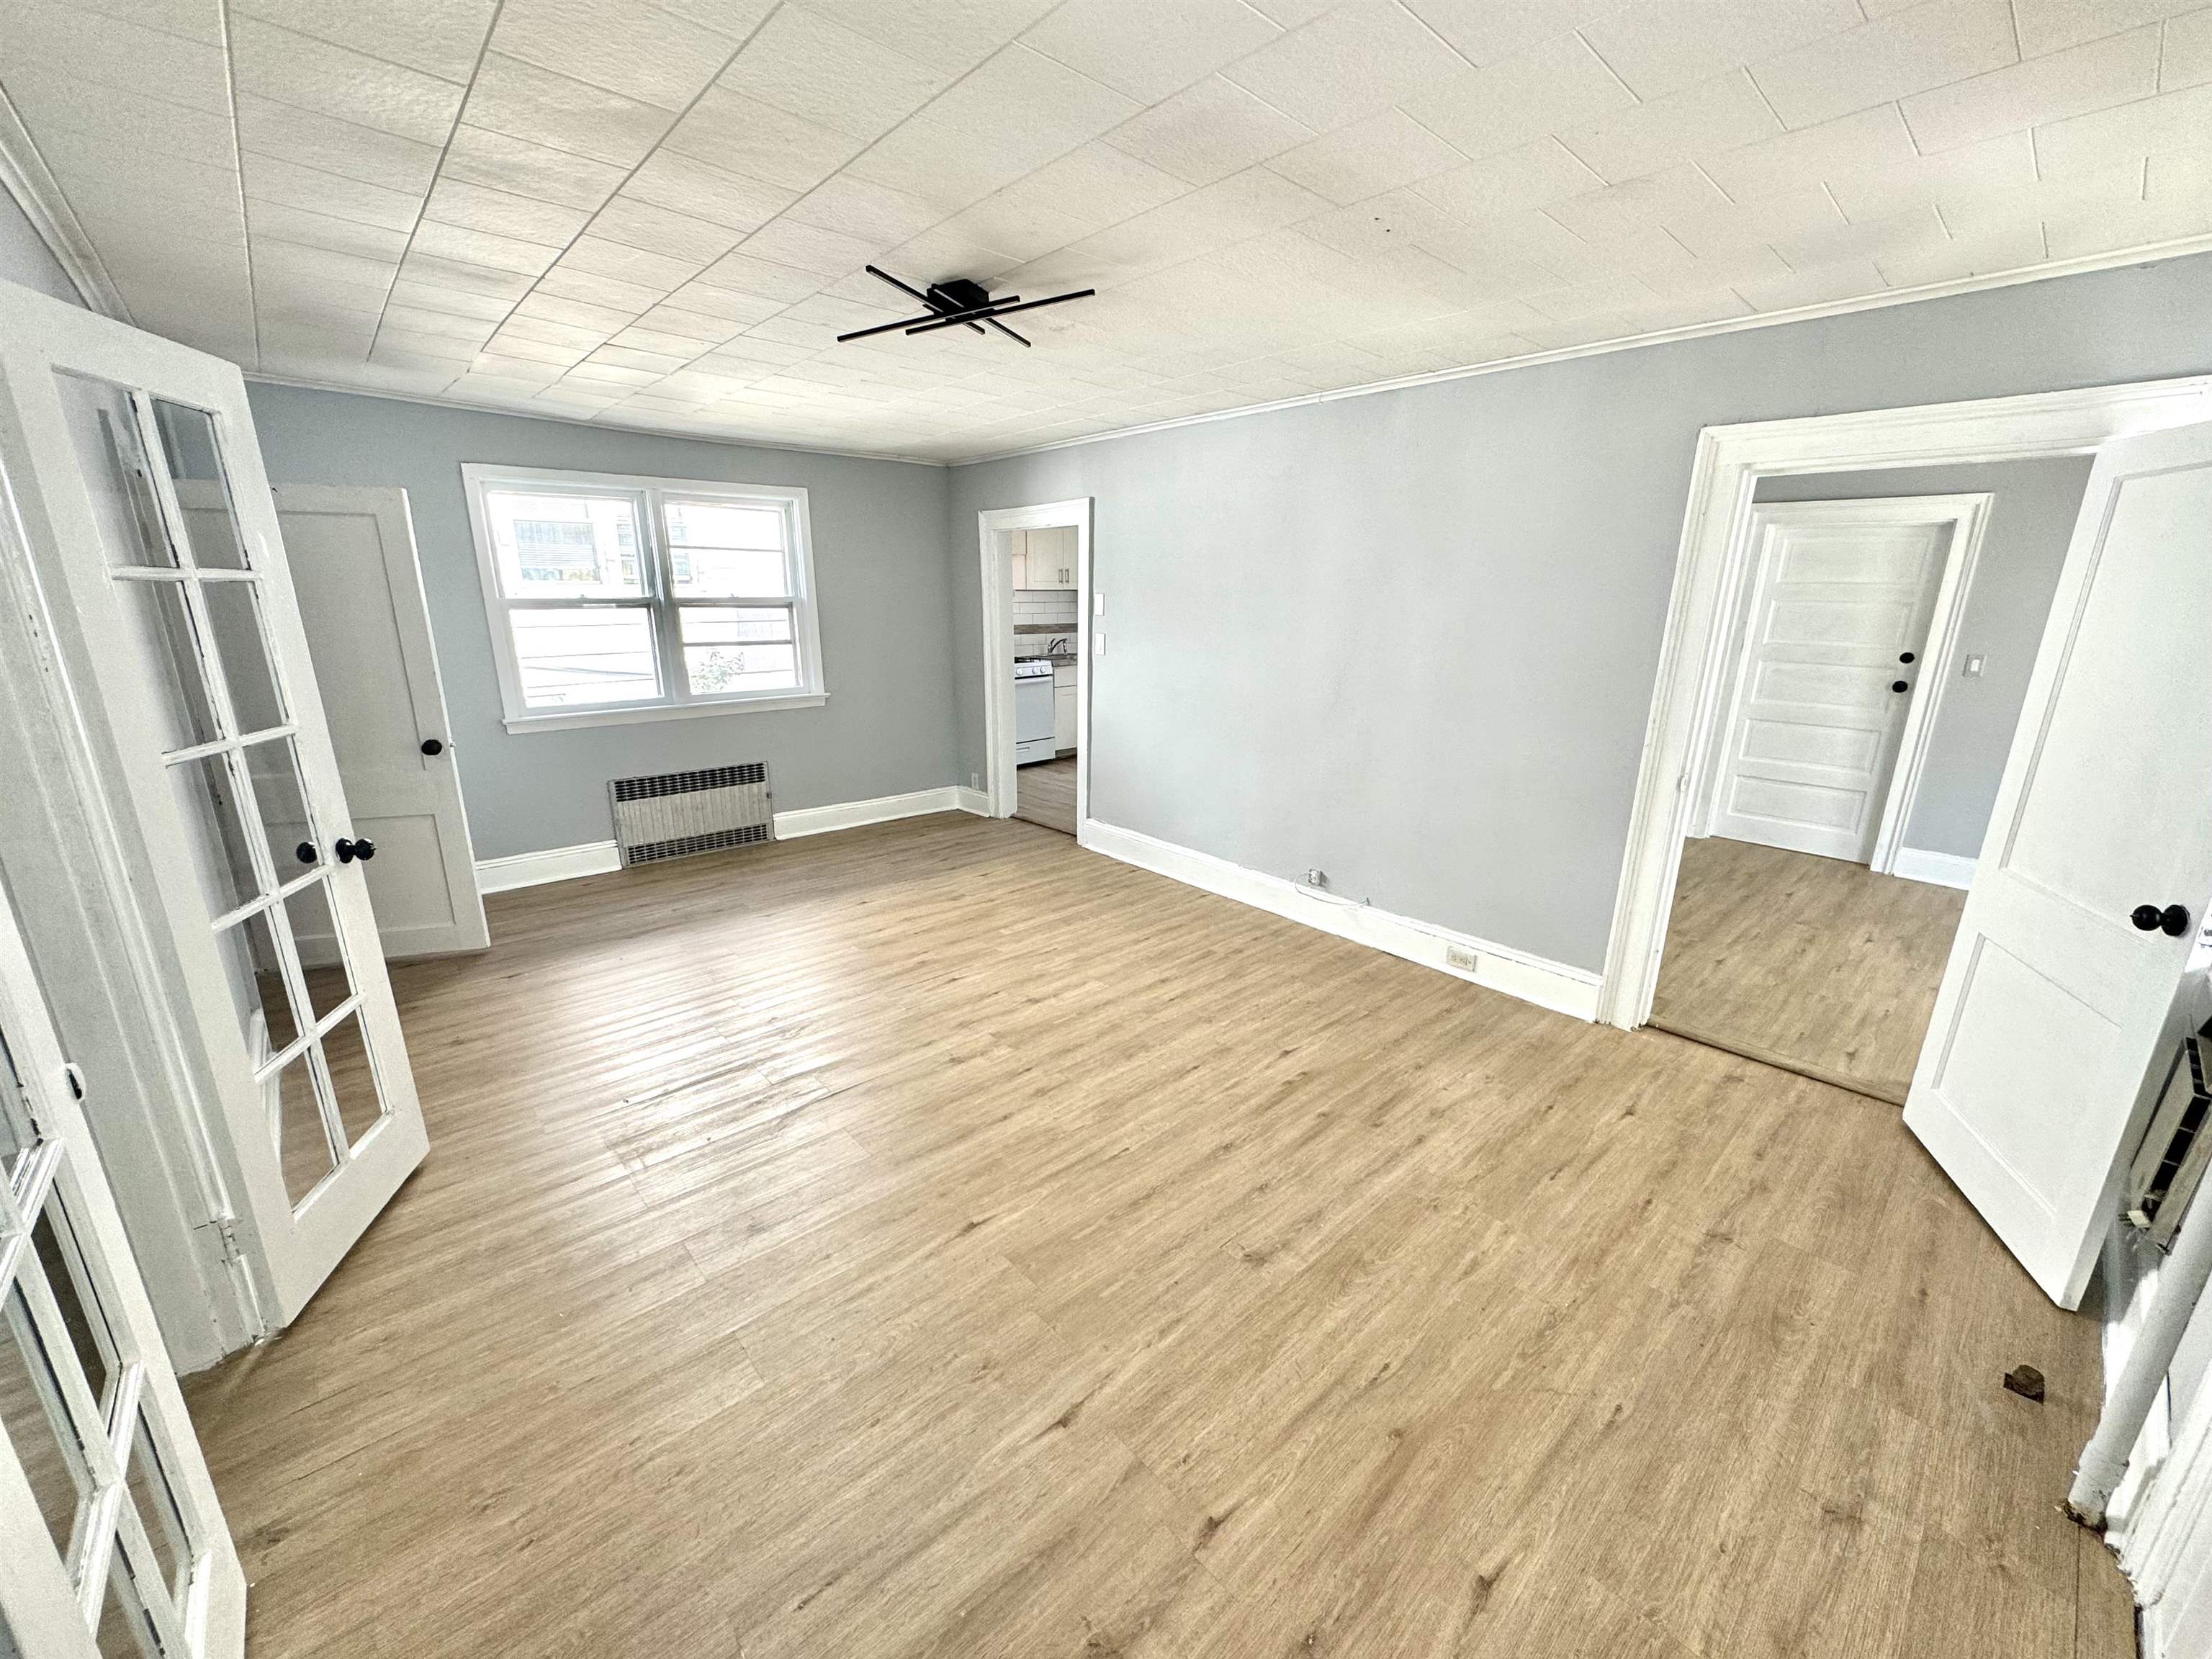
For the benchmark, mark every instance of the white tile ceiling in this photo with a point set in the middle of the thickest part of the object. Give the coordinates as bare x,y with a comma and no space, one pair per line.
657,215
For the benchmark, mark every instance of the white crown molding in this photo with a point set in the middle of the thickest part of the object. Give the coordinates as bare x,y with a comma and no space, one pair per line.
1553,985
38,193
477,406
1895,296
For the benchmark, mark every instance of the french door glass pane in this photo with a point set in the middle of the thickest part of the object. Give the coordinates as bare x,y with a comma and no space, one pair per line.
38,1430
234,618
280,799
125,1632
159,621
208,797
265,1016
314,936
105,432
156,1497
303,1145
581,655
353,1082
188,445
15,1135
89,1334
738,648
555,546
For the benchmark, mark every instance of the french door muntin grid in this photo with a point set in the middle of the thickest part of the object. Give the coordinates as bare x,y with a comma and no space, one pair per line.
232,751
657,597
109,1543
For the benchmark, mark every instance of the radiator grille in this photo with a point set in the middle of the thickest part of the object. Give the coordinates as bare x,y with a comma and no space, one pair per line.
2170,1165
671,814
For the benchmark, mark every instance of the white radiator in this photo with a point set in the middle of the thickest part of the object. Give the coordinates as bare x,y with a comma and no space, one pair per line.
675,813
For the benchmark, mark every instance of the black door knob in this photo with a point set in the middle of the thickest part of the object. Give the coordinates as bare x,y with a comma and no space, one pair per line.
306,849
2172,921
1905,656
433,746
348,851
1899,686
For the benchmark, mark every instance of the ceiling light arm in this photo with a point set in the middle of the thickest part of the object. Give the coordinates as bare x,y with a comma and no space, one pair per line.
909,288
997,309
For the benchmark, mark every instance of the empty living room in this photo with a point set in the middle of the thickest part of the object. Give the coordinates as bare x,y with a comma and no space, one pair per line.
1049,829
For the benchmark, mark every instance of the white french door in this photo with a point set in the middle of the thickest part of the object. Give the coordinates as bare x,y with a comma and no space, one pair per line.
2057,1009
112,1542
181,645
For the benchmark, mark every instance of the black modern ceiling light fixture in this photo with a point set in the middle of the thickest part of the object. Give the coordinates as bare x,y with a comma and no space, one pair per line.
957,302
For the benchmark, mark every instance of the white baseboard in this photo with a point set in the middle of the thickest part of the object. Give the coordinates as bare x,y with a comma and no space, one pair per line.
977,801
1532,978
592,858
852,814
1944,869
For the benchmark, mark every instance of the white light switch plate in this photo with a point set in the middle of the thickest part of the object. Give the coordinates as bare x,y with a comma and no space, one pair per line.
1972,670
1097,645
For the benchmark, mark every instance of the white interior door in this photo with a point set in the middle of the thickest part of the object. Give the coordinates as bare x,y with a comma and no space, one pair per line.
352,557
111,1541
1833,648
2053,1023
182,645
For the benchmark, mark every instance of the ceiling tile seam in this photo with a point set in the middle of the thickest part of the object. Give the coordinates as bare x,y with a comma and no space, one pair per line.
2180,247
2018,52
675,118
1620,79
260,21
484,48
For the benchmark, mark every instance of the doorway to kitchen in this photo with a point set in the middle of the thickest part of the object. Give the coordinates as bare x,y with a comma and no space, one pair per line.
1036,633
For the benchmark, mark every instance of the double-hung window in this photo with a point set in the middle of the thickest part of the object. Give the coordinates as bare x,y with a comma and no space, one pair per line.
619,598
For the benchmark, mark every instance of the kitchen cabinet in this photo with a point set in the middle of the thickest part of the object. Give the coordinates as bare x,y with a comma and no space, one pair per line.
1044,559
1063,707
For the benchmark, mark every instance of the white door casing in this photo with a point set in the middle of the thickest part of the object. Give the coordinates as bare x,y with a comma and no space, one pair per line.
97,421
1817,709
2054,1009
352,551
996,543
114,1539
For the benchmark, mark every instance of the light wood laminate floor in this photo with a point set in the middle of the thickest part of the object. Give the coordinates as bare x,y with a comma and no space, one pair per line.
1045,794
1807,963
935,1239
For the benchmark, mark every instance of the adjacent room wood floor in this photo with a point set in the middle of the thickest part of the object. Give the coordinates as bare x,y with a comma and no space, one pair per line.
934,1239
1807,963
1045,794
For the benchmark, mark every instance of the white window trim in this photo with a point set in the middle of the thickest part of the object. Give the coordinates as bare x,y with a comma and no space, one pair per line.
648,492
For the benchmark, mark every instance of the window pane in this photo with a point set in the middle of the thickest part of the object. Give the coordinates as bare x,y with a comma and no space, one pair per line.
36,1425
575,657
315,937
265,1018
105,435
280,797
234,619
14,1132
71,1282
729,648
125,1632
296,1122
162,636
159,1512
188,443
717,549
557,546
360,1102
208,799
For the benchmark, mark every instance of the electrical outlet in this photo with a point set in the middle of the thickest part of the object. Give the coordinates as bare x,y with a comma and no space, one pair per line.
1460,956
1097,645
974,780
1972,670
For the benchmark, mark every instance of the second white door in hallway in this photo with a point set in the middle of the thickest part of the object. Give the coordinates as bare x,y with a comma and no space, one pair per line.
1834,646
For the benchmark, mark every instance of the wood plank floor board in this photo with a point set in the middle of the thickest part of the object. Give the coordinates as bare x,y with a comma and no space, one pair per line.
934,1239
1809,963
1045,793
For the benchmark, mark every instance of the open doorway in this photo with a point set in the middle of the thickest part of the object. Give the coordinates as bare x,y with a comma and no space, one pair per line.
1879,642
1036,572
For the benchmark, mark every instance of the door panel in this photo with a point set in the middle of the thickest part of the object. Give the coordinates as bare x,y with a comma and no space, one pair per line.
114,1542
218,774
1816,720
2057,1010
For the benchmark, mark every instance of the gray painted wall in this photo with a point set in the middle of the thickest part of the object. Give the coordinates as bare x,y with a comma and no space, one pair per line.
879,561
1411,637
24,258
2030,522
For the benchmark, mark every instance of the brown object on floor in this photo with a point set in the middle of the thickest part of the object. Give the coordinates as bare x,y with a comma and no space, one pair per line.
2025,1381
1809,963
1046,794
932,1239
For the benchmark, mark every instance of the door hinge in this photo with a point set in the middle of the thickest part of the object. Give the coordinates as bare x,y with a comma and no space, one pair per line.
226,1231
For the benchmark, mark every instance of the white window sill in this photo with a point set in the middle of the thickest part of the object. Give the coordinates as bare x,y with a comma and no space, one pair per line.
570,719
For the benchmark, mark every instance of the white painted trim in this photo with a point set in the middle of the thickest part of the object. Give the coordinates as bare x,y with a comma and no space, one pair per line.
591,857
24,174
1941,869
1716,540
1547,984
647,494
2178,249
1967,516
977,801
999,762
852,814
